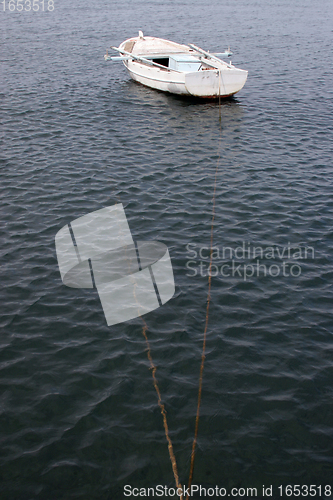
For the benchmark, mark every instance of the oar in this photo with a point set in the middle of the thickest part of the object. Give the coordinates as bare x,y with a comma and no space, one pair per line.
115,58
143,59
226,53
207,54
212,65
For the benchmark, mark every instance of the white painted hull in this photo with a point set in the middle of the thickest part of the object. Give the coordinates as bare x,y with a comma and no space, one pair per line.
223,80
209,84
215,83
156,78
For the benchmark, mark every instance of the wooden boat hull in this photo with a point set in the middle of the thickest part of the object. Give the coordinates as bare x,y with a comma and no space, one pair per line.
223,80
205,84
214,83
157,78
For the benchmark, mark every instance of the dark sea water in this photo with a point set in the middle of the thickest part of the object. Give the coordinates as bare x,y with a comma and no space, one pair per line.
79,414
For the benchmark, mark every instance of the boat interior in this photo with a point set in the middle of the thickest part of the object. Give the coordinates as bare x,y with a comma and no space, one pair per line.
180,62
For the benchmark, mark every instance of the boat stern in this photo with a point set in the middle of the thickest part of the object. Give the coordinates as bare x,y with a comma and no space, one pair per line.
215,83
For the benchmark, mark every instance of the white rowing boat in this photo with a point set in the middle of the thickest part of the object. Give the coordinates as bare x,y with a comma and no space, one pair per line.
179,69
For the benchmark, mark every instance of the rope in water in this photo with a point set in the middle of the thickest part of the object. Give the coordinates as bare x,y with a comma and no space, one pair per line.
203,355
162,408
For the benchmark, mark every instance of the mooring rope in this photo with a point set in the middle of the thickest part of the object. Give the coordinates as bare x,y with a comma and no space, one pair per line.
162,408
203,355
159,400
